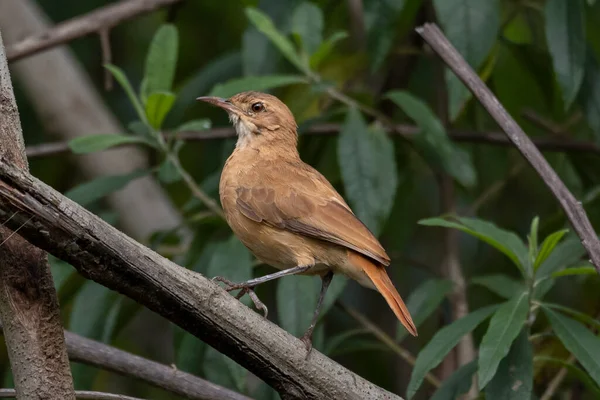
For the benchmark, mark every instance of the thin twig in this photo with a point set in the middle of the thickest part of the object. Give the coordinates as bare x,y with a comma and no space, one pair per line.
104,34
494,189
386,340
557,380
574,210
79,394
87,24
407,131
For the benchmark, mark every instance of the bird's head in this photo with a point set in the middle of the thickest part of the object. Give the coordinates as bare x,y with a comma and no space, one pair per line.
259,119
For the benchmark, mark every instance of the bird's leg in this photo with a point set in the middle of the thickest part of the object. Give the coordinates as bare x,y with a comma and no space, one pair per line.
307,337
248,286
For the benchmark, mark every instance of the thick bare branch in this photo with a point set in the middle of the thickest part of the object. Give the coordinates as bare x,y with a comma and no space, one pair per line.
96,21
109,257
573,208
28,303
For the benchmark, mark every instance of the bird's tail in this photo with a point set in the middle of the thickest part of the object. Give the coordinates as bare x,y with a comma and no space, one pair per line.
378,275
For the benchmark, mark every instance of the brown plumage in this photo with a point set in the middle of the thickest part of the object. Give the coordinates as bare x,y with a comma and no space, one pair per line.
286,212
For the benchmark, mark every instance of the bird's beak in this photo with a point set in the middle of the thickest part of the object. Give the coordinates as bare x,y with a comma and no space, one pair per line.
220,102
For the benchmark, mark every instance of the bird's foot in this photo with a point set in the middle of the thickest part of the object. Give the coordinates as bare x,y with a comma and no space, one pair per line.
307,340
244,288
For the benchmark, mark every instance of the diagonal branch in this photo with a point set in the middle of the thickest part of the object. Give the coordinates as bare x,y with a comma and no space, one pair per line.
96,21
573,208
102,253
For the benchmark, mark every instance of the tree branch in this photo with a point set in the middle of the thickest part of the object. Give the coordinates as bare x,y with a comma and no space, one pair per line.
96,21
574,210
102,253
103,356
28,303
169,378
407,131
79,394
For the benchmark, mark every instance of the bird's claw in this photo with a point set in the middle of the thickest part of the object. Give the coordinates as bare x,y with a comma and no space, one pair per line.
307,340
245,289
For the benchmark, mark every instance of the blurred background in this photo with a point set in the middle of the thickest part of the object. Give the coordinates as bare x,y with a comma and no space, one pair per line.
360,71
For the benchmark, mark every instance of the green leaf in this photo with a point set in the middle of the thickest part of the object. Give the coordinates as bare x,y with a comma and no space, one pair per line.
423,301
296,302
582,343
582,317
94,190
457,384
261,83
307,22
441,344
231,260
335,341
589,97
565,254
502,285
161,60
533,239
168,172
548,246
92,317
514,378
433,141
94,143
565,35
472,27
222,370
504,241
575,271
190,349
61,271
158,106
574,371
264,24
124,82
194,125
336,288
368,168
325,48
505,325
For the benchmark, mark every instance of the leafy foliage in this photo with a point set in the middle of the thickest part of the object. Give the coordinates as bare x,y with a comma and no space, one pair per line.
356,73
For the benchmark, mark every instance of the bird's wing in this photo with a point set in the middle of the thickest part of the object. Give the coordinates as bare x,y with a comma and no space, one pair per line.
299,199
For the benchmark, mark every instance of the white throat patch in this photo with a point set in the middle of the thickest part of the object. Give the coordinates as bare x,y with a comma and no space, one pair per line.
243,129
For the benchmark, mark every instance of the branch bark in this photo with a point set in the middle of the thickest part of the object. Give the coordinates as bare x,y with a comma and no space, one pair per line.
406,131
79,394
69,106
103,356
104,254
96,21
573,208
28,303
169,378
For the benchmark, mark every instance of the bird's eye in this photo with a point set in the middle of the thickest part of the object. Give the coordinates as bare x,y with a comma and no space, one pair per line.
258,107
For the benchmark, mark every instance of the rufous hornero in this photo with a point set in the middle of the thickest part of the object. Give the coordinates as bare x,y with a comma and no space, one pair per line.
288,214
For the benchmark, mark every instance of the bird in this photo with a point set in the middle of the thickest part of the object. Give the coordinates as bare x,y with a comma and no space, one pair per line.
288,214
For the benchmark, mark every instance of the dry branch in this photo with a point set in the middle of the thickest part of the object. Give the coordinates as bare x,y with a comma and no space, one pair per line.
79,394
104,254
98,20
103,356
28,303
573,208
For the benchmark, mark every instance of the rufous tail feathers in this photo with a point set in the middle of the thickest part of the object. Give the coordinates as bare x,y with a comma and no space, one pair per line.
384,285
